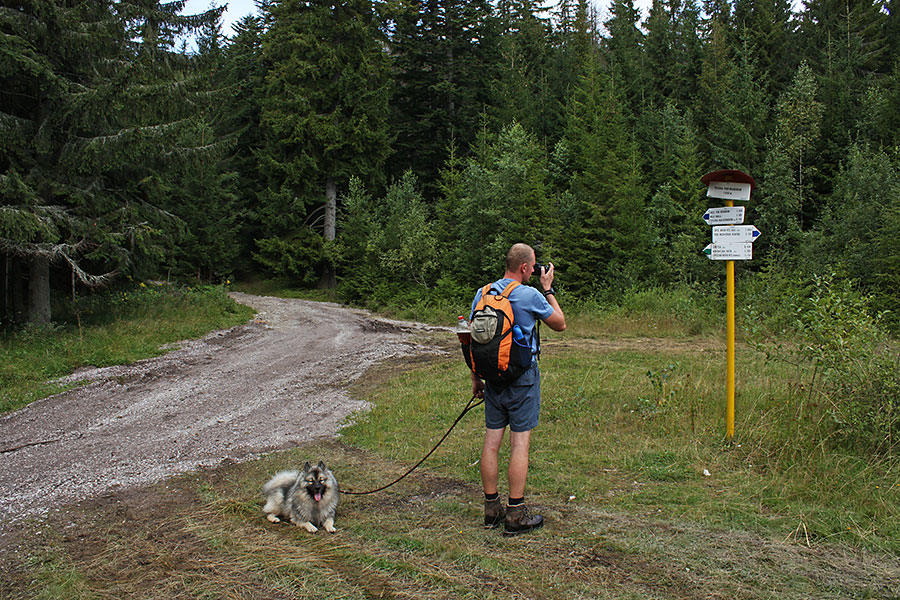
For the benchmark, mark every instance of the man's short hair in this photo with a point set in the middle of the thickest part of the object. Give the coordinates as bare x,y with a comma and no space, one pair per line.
518,254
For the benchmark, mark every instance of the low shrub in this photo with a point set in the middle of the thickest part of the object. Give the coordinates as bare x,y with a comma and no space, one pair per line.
850,363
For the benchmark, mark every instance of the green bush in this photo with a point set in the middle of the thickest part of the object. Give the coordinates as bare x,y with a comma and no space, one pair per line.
855,366
296,257
768,301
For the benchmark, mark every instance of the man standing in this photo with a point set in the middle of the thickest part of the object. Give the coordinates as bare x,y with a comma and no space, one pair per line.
516,404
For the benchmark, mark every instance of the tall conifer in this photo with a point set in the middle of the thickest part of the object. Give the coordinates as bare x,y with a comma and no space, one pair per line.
324,115
624,48
521,92
788,169
243,78
605,234
94,102
673,50
444,53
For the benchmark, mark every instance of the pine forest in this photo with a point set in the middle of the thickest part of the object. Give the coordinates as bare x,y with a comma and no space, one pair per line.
394,149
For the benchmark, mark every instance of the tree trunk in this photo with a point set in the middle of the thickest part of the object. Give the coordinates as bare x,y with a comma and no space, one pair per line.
328,279
39,290
18,303
330,208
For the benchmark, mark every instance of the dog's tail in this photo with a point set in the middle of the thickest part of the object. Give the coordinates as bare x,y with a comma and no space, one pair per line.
282,479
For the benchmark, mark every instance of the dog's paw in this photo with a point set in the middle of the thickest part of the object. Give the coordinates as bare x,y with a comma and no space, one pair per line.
273,518
309,527
329,526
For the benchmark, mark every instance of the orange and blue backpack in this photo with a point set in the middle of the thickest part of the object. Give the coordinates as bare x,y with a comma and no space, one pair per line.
493,354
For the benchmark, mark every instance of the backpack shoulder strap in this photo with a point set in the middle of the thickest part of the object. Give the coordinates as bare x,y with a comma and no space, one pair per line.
486,290
509,288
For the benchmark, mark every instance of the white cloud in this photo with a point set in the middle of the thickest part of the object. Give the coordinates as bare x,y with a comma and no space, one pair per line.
237,9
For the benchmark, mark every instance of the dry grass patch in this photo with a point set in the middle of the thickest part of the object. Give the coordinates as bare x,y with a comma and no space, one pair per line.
204,536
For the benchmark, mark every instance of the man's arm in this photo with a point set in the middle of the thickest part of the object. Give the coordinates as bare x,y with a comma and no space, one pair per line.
557,320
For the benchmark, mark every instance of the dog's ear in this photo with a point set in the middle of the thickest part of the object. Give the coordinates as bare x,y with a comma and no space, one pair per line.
307,466
322,466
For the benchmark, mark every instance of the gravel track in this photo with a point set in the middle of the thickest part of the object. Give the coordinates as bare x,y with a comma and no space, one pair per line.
270,384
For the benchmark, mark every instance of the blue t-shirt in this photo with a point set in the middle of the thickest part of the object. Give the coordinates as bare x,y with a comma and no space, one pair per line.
528,305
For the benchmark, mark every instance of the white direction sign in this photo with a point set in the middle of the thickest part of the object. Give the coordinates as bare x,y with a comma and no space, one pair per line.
728,190
724,215
742,251
734,234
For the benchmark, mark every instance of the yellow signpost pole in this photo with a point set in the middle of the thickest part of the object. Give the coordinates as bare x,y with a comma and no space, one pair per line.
730,241
729,345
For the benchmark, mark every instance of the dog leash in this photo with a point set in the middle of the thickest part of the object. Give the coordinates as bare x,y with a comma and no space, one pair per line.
469,406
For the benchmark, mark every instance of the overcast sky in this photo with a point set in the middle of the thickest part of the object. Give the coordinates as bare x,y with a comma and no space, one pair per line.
236,10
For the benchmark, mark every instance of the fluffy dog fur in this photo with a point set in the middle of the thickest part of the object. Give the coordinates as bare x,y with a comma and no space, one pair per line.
308,498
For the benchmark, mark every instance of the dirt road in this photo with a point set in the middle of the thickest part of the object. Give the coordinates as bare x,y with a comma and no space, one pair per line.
270,384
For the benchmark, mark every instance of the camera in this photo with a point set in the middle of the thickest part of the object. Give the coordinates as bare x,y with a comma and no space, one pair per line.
537,269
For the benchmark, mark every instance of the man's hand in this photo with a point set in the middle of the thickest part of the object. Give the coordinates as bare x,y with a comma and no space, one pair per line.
547,277
477,386
556,321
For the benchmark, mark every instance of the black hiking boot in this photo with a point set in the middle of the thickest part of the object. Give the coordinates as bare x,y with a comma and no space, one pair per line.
494,513
519,521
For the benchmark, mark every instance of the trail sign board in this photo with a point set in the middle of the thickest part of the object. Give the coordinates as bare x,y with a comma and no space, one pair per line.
741,251
728,190
734,234
724,215
729,185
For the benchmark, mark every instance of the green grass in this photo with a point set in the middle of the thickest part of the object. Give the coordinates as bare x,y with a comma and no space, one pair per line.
110,329
604,440
55,577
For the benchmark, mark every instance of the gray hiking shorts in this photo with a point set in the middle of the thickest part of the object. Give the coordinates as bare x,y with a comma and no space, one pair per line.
516,405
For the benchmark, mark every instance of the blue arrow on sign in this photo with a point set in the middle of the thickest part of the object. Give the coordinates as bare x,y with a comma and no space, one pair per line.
734,233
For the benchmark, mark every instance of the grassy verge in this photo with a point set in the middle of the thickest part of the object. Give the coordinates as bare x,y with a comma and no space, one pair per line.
652,312
107,330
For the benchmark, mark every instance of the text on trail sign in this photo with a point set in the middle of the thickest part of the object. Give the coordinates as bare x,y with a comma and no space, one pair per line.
728,190
724,215
734,234
729,251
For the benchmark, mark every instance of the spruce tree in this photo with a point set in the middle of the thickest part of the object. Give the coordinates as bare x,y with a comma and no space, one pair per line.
499,197
608,236
359,219
243,78
94,101
732,109
202,191
444,53
784,195
765,29
673,51
324,116
521,92
844,43
624,49
679,199
404,242
857,233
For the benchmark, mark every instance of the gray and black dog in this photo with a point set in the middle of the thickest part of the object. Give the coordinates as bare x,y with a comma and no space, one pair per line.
308,498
